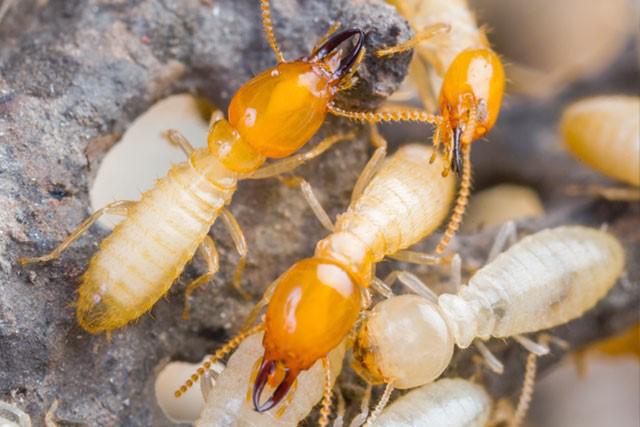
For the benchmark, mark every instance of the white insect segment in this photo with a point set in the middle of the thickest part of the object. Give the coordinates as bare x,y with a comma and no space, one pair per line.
543,281
604,133
444,403
228,401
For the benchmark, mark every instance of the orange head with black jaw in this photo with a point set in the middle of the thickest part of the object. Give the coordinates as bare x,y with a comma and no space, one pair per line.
314,306
280,109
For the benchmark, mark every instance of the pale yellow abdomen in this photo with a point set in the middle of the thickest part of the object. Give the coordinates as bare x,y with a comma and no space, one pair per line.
406,201
138,262
604,133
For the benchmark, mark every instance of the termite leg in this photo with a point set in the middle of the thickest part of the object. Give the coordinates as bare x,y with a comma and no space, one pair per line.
613,194
121,207
490,360
372,166
419,258
313,202
340,411
360,419
539,349
267,24
456,273
174,137
506,234
208,251
380,406
325,410
292,162
264,301
381,287
50,415
21,418
241,247
422,35
413,283
206,384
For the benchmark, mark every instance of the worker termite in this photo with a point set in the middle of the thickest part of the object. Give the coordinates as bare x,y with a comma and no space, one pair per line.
314,305
604,133
226,401
470,92
18,418
543,281
271,116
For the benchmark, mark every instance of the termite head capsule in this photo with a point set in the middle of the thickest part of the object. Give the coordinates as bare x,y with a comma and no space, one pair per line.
279,110
314,306
405,340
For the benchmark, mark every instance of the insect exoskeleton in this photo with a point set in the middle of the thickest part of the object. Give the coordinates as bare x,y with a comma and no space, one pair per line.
504,202
271,116
604,133
313,306
408,340
226,402
452,402
470,91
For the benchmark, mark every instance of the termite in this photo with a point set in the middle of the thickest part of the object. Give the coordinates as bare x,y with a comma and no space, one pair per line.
314,305
18,417
542,281
470,91
604,133
271,116
226,400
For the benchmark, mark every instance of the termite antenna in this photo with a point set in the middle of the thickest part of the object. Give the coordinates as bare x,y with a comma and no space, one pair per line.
527,390
223,351
325,411
461,201
386,395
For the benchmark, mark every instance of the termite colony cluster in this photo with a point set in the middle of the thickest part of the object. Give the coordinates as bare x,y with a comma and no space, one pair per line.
332,309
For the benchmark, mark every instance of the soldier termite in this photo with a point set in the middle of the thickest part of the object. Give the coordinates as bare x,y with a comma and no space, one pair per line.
604,133
314,305
543,281
470,92
271,116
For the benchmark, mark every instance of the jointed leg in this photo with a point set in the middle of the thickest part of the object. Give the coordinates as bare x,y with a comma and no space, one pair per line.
536,348
312,200
412,282
372,166
267,24
209,252
255,311
360,419
241,247
419,258
492,362
121,208
290,163
176,138
381,287
456,273
424,34
506,234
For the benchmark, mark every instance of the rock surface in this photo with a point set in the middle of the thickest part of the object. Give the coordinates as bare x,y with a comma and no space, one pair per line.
73,76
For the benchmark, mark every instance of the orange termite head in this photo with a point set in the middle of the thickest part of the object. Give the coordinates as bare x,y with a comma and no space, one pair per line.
280,109
313,308
470,98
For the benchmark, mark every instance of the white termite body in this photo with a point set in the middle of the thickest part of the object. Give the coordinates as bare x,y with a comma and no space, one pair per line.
449,402
229,404
543,281
604,133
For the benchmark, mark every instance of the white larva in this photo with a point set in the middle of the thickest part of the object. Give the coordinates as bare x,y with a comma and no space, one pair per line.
604,133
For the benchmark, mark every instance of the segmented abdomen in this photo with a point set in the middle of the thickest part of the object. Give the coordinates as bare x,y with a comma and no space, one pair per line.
406,200
448,402
137,263
543,281
604,132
